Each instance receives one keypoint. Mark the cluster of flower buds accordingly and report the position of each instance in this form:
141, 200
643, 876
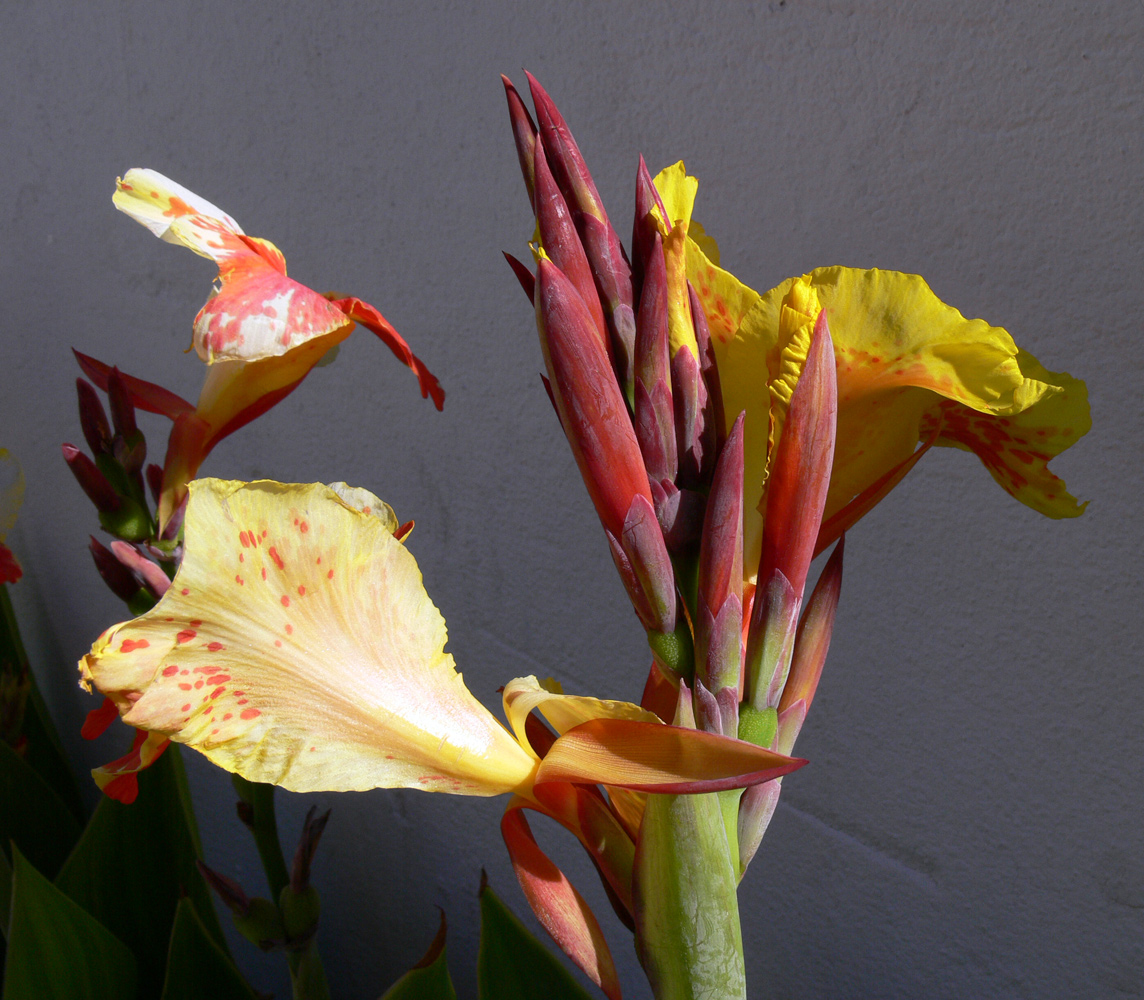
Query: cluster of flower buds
633, 377
139, 564
291, 923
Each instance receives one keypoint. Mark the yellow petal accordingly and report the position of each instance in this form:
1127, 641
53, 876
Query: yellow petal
1016, 449
900, 351
563, 711
677, 192
297, 646
158, 202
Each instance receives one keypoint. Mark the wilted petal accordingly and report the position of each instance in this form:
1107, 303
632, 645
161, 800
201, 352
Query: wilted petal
297, 646
257, 312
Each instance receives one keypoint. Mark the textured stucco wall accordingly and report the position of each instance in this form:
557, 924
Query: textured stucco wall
970, 824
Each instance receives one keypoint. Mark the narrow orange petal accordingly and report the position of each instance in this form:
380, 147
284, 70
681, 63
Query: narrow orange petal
560, 909
654, 757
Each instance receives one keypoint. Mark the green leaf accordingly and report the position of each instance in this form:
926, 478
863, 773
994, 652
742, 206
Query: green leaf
33, 815
429, 978
45, 753
135, 862
5, 894
42, 746
56, 950
196, 966
512, 964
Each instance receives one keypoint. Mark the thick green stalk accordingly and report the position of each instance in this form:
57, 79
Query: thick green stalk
687, 913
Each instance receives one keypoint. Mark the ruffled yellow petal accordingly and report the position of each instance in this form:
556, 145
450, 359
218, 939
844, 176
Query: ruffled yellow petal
1016, 449
297, 646
900, 352
563, 711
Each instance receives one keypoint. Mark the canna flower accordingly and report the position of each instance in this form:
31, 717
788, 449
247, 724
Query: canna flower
260, 332
297, 645
910, 369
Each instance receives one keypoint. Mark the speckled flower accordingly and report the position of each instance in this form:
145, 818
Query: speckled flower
260, 332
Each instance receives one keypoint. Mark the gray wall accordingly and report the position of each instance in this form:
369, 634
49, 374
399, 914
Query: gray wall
970, 822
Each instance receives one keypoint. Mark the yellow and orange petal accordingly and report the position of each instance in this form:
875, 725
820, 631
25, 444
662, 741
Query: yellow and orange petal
910, 369
297, 646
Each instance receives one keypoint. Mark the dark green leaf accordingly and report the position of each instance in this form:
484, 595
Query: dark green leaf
429, 978
57, 951
135, 862
5, 894
513, 965
31, 721
196, 966
33, 815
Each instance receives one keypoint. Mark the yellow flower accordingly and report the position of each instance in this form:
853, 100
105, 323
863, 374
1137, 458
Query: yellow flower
910, 369
297, 646
260, 332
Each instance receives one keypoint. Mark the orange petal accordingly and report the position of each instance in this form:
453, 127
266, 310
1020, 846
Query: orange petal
558, 906
371, 319
653, 757
118, 780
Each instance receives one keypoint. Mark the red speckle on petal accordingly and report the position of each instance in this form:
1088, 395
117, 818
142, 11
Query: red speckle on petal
239, 694
301, 591
319, 560
184, 687
289, 629
312, 749
214, 647
130, 645
263, 572
277, 558
330, 575
242, 701
228, 716
220, 679
195, 622
278, 643
186, 635
186, 707
241, 557
263, 534
250, 713
185, 591
285, 601
239, 581
303, 527
198, 683
214, 732
217, 691
170, 671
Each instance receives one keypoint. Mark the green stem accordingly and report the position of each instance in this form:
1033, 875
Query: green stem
688, 936
308, 975
264, 825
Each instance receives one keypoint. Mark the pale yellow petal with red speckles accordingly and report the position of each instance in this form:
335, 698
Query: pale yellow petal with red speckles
563, 711
157, 202
1017, 449
297, 646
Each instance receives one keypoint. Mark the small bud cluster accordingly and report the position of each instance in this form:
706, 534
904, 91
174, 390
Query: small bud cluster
140, 562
